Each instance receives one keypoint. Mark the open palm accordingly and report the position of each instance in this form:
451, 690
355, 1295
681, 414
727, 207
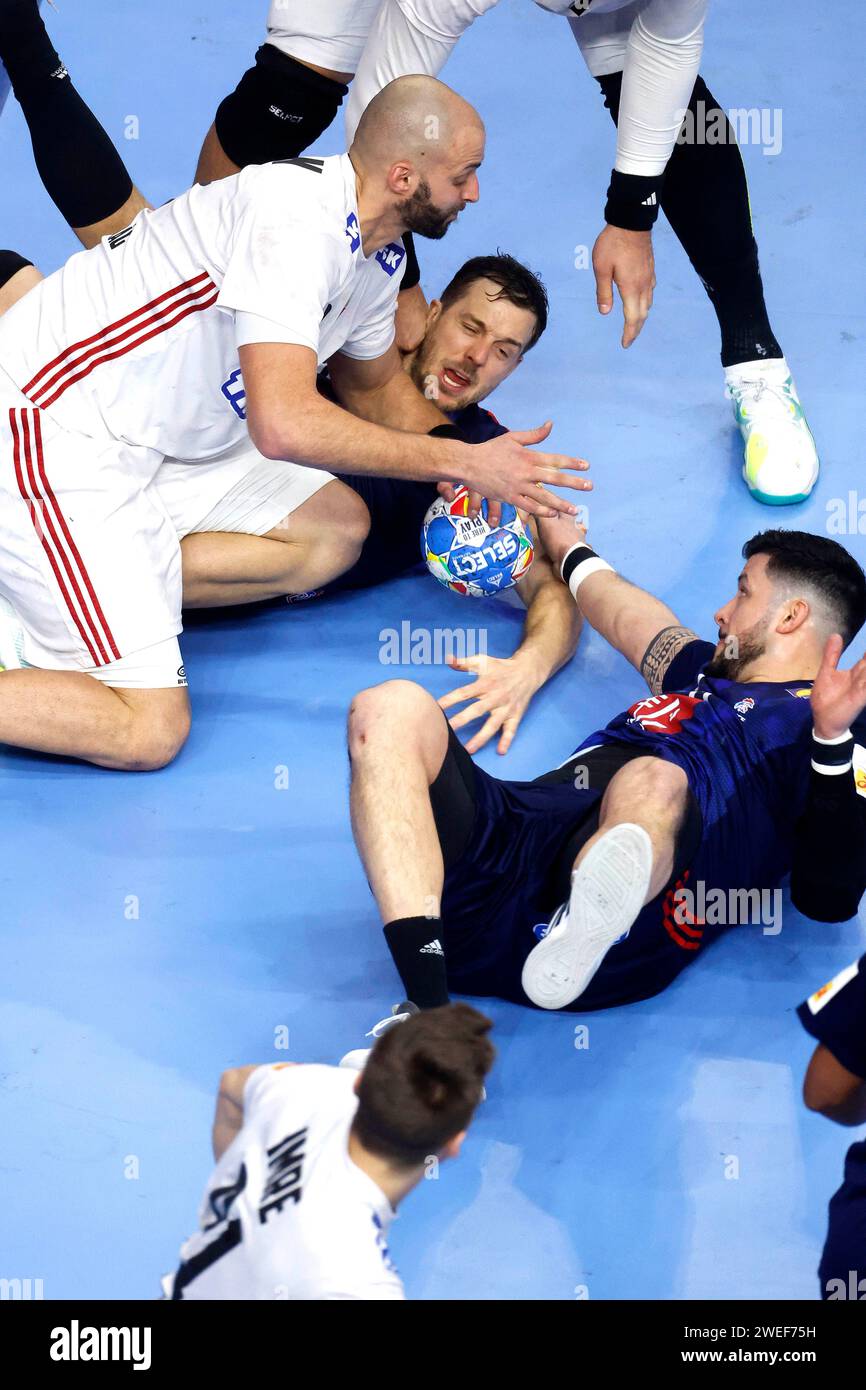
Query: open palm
837, 696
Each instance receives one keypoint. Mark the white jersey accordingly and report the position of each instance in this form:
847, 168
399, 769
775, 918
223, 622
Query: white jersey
138, 338
287, 1214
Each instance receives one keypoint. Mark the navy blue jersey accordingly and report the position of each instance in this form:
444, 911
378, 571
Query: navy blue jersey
836, 1016
745, 748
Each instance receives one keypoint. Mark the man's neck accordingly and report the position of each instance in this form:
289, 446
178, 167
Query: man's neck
779, 673
395, 1183
379, 224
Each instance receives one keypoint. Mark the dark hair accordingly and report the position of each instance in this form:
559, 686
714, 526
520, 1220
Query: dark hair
516, 283
422, 1083
799, 557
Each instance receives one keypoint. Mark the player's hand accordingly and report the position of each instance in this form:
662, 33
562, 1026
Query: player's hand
559, 533
837, 696
410, 322
505, 469
625, 259
500, 694
494, 509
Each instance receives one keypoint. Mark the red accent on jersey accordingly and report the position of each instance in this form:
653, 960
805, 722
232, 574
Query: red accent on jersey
63, 554
664, 714
73, 364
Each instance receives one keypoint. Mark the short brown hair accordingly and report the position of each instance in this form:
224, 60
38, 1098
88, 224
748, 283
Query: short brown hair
517, 283
422, 1082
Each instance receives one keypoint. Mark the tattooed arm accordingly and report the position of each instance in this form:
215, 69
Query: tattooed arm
644, 629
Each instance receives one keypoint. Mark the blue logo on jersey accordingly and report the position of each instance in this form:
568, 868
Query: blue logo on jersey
234, 392
391, 257
353, 232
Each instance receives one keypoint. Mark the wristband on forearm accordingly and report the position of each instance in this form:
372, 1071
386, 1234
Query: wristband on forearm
579, 563
833, 756
633, 201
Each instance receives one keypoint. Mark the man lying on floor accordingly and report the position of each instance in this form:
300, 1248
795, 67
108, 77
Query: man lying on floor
586, 888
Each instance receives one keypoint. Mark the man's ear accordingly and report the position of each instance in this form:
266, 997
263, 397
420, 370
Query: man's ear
434, 312
357, 1084
794, 614
402, 179
453, 1147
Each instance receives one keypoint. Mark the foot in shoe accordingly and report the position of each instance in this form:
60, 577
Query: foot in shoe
608, 890
357, 1059
781, 462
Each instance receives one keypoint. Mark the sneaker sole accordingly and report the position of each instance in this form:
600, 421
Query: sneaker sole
608, 891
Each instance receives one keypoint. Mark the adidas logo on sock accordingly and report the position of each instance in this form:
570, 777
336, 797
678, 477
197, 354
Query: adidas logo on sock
433, 948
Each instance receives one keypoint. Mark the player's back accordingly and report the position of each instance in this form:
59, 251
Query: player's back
131, 338
287, 1214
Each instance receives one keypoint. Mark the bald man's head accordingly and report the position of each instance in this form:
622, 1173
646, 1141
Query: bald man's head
417, 149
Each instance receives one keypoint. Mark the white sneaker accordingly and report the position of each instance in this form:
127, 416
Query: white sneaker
608, 890
781, 461
357, 1059
11, 638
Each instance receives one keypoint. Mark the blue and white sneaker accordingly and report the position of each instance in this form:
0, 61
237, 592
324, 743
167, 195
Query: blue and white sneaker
357, 1059
781, 462
608, 890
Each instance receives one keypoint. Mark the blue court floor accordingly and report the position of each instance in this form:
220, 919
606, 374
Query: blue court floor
159, 928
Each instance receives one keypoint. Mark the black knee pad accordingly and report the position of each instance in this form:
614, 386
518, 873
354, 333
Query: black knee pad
277, 110
10, 264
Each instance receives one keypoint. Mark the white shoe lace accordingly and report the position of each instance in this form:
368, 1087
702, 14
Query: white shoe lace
753, 390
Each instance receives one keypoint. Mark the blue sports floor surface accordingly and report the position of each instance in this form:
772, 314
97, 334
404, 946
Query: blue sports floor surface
158, 928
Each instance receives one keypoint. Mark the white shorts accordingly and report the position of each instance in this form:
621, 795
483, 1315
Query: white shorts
89, 557
329, 33
240, 491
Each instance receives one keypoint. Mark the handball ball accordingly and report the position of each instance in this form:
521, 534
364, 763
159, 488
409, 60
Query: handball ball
467, 555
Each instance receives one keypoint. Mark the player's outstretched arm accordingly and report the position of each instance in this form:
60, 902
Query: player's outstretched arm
645, 630
504, 686
288, 419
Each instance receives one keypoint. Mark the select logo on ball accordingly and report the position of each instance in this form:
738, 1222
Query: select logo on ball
467, 555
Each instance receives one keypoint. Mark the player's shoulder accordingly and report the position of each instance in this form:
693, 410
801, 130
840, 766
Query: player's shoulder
312, 1087
477, 424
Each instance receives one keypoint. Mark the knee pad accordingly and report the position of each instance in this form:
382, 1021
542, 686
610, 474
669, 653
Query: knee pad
277, 110
10, 264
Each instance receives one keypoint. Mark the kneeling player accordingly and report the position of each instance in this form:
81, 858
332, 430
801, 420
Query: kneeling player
584, 889
312, 1162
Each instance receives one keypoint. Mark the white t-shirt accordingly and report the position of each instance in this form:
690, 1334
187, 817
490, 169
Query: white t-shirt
287, 1214
138, 338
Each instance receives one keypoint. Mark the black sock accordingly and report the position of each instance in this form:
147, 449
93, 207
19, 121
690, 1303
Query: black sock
706, 200
82, 172
416, 946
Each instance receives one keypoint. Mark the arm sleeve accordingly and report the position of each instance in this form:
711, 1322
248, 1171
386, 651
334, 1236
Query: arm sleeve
408, 36
658, 50
835, 1015
829, 874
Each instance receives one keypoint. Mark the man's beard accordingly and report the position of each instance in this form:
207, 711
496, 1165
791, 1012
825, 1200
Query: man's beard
423, 216
747, 647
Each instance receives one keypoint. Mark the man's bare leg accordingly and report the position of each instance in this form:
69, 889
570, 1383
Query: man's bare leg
309, 548
651, 793
74, 715
213, 162
18, 285
623, 866
398, 740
